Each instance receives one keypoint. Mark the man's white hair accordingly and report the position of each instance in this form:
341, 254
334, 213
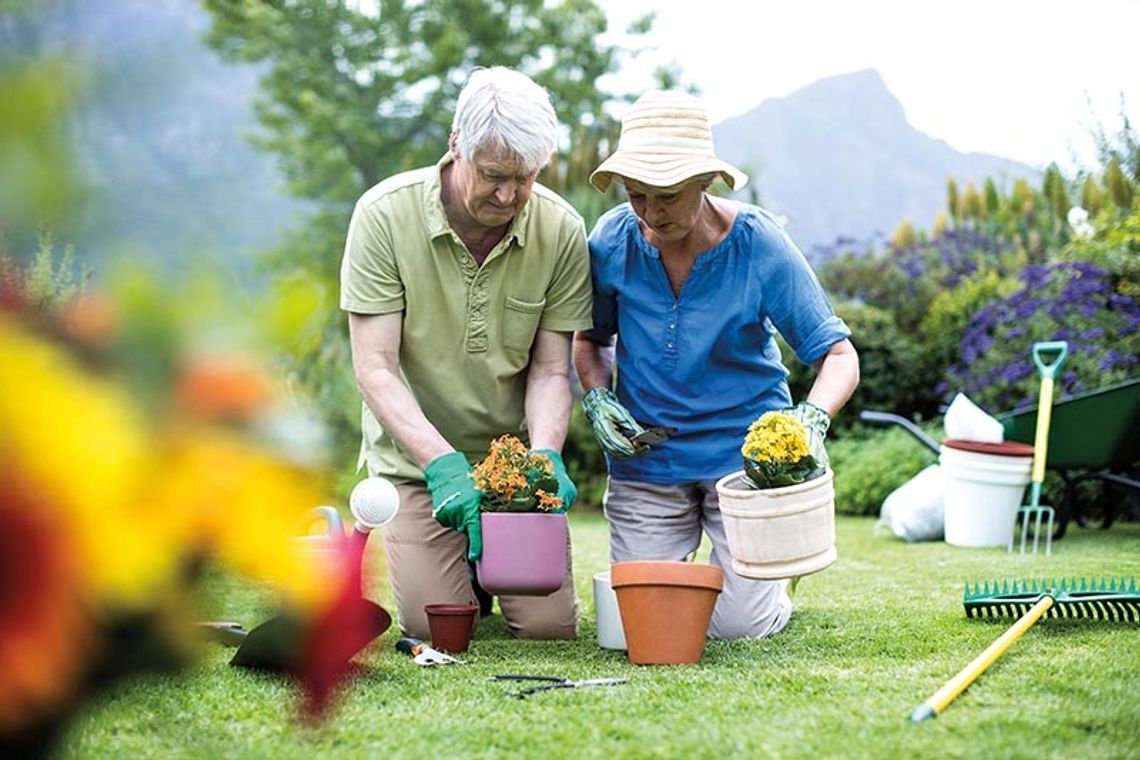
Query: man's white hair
500, 108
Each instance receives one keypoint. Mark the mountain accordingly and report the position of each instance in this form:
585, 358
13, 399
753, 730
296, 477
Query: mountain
838, 159
160, 137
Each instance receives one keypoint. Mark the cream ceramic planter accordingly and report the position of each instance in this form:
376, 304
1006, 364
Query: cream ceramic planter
776, 533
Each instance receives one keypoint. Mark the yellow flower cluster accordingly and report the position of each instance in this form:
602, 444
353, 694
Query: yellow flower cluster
776, 438
509, 472
114, 507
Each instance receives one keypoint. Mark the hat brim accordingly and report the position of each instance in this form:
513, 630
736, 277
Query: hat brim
663, 171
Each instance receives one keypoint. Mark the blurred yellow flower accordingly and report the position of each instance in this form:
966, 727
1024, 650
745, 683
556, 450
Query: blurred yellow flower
75, 437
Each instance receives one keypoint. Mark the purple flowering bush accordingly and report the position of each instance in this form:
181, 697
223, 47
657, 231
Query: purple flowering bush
1074, 301
889, 295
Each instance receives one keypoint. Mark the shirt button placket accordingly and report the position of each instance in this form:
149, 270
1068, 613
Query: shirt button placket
477, 312
669, 357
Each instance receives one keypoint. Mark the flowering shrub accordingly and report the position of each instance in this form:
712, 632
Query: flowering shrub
1074, 301
776, 452
514, 479
131, 458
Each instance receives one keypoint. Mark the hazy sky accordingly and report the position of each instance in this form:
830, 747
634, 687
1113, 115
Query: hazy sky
1009, 77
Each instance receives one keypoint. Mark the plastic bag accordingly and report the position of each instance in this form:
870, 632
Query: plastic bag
915, 510
967, 421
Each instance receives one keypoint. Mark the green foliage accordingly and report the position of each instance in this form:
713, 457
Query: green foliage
37, 180
869, 465
890, 368
1119, 190
1115, 246
48, 282
949, 316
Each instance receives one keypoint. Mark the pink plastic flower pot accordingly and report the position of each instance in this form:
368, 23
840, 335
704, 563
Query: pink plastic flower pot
523, 553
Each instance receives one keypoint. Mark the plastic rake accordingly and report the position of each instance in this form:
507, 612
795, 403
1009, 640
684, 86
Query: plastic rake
1115, 600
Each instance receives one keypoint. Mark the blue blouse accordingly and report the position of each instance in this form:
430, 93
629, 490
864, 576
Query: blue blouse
705, 361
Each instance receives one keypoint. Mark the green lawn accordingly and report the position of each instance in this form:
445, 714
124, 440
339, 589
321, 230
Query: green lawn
872, 636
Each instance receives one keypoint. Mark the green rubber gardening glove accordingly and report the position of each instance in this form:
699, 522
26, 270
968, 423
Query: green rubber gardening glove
566, 488
455, 499
817, 421
613, 424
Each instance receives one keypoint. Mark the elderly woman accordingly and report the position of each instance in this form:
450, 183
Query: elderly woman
694, 287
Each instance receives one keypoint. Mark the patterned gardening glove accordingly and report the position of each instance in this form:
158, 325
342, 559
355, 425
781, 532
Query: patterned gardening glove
455, 499
566, 488
816, 421
613, 424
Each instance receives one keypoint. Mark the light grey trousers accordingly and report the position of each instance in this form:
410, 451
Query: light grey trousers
649, 521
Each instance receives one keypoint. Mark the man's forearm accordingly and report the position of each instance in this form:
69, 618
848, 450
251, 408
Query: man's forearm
397, 410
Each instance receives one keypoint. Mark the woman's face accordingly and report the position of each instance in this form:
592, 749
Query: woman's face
669, 214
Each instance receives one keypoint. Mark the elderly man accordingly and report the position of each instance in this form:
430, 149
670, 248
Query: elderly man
463, 283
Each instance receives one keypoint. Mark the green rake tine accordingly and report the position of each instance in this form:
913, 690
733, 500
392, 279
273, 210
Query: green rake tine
1112, 599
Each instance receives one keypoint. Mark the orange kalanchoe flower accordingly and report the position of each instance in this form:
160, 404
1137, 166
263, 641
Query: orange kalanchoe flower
514, 479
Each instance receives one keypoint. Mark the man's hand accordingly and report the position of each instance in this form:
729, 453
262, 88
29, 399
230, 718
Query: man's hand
566, 488
816, 421
455, 499
613, 424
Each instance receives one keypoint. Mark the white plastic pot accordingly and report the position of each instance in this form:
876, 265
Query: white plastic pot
611, 635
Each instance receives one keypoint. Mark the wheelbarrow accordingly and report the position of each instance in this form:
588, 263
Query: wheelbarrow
1093, 436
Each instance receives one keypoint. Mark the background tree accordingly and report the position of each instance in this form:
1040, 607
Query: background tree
355, 92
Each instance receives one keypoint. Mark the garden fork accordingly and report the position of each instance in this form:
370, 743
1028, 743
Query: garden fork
1034, 511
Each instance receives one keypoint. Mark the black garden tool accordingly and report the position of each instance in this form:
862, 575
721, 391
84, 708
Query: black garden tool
545, 683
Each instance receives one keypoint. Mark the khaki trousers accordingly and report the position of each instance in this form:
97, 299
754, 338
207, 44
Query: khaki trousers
427, 564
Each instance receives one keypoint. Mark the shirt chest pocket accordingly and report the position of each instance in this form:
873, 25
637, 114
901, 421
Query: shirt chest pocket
520, 323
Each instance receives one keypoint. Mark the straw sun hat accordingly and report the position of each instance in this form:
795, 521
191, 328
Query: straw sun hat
665, 140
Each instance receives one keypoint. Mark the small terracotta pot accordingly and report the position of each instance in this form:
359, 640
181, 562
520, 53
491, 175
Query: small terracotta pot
523, 553
451, 625
665, 609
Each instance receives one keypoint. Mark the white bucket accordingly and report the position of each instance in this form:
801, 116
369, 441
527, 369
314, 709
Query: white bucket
611, 635
983, 494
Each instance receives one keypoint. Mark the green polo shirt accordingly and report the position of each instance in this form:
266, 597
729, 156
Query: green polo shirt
468, 329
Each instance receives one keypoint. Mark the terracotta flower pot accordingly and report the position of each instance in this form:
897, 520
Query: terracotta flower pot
778, 533
665, 609
451, 625
523, 553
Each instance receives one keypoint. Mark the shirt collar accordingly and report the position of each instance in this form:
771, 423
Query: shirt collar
436, 219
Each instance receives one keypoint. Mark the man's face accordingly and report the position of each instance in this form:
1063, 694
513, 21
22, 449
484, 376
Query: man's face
494, 186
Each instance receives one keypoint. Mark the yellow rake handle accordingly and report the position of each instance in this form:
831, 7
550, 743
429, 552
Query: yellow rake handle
956, 685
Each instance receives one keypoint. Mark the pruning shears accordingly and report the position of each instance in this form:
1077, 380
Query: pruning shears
553, 682
422, 654
650, 436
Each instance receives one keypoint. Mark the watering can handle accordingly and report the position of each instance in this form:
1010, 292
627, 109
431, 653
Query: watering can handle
1058, 347
331, 518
